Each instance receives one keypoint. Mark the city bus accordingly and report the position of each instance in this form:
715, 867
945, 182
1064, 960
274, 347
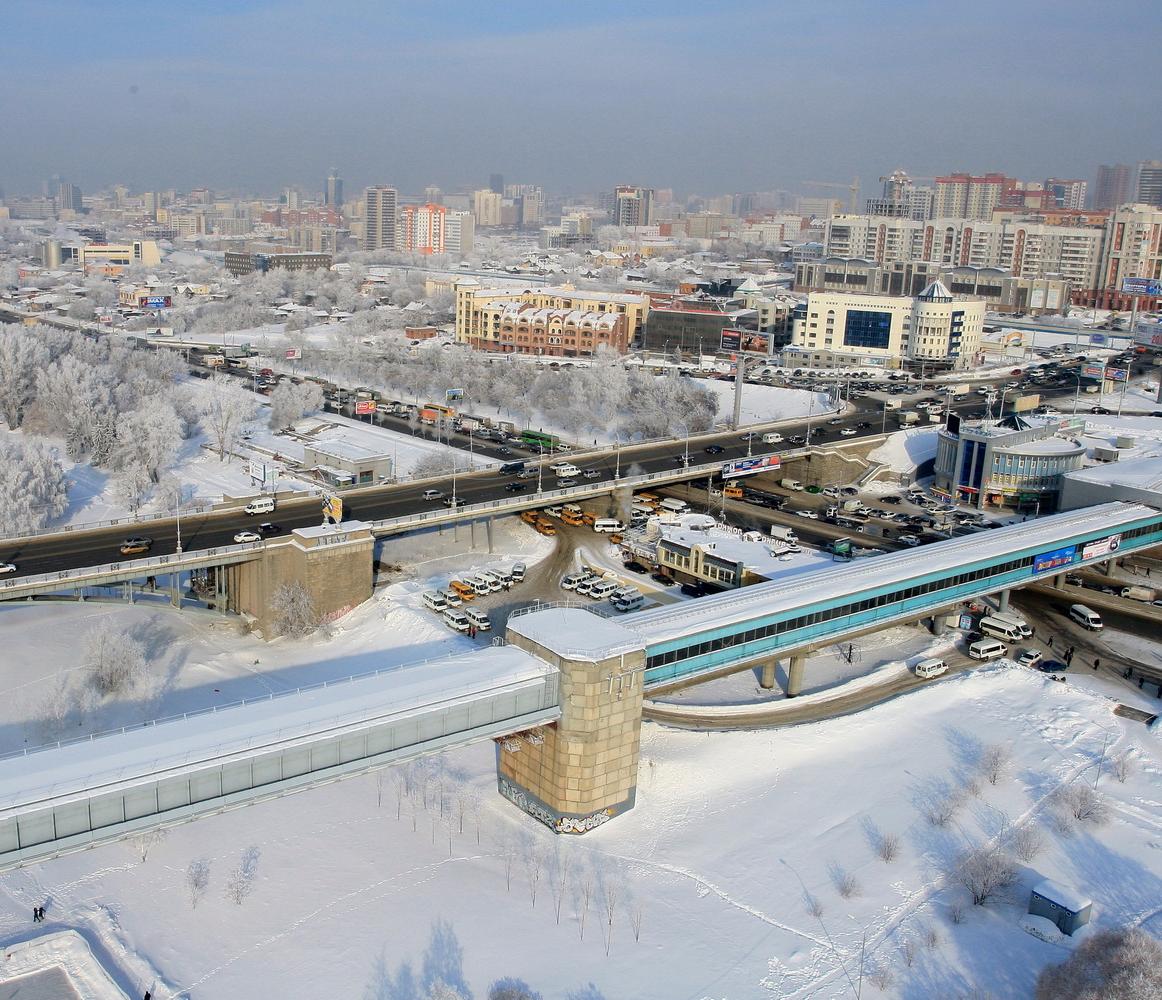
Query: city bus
445, 412
538, 439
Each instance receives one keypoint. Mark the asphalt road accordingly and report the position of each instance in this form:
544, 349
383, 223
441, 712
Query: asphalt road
57, 552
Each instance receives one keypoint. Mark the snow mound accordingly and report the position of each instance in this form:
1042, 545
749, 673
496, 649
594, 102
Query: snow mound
1041, 928
904, 451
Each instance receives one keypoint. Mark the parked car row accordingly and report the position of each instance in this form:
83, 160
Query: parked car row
449, 601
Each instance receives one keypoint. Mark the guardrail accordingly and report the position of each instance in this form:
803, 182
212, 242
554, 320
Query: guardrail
136, 567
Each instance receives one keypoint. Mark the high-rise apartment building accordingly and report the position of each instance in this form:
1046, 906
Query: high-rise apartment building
1113, 188
334, 193
486, 205
1133, 249
902, 199
381, 212
1067, 194
68, 197
633, 206
965, 196
434, 229
1150, 183
528, 200
496, 183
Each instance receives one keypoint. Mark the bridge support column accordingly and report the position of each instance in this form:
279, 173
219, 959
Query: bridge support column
795, 674
1003, 601
767, 677
580, 772
1059, 581
488, 532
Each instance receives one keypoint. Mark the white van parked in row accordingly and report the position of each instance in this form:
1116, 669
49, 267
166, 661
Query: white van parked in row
1000, 629
434, 601
608, 525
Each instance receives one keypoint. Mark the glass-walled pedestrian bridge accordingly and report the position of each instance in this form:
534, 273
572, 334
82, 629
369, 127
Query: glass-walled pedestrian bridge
773, 620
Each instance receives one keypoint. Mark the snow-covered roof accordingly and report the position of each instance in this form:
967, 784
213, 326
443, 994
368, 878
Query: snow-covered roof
936, 291
672, 622
1063, 895
1046, 446
576, 633
1137, 473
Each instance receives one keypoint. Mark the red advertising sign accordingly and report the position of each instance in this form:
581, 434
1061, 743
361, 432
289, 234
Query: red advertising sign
294, 353
364, 406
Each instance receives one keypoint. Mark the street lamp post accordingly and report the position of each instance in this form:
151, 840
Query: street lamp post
540, 465
178, 516
617, 453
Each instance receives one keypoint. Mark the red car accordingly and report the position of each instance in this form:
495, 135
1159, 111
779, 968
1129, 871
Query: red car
270, 371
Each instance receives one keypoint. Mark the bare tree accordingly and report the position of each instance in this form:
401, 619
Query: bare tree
908, 951
240, 882
813, 905
146, 840
880, 975
293, 611
636, 911
512, 989
1027, 842
1122, 765
225, 409
1083, 803
114, 659
535, 862
22, 355
401, 779
610, 894
931, 937
197, 880
559, 877
585, 893
290, 402
983, 871
888, 847
1125, 963
508, 854
474, 805
956, 913
941, 808
995, 761
846, 884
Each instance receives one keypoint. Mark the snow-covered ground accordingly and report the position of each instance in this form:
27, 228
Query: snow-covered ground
748, 868
767, 403
905, 450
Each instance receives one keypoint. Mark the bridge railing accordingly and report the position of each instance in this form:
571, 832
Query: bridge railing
138, 567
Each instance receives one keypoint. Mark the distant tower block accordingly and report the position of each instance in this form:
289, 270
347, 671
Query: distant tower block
577, 774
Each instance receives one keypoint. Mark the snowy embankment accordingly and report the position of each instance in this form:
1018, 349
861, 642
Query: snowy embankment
774, 839
907, 450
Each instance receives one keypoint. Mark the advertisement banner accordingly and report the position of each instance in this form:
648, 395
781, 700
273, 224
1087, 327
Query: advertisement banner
1093, 371
157, 302
1148, 334
750, 466
1014, 338
452, 395
744, 342
1101, 547
1116, 374
1098, 339
333, 508
1141, 286
258, 471
363, 406
294, 353
1047, 562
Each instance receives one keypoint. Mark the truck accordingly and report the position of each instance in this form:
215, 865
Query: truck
429, 416
850, 506
1022, 404
1136, 593
213, 360
791, 484
892, 404
957, 389
784, 534
906, 418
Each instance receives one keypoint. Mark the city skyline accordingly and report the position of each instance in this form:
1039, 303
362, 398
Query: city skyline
207, 98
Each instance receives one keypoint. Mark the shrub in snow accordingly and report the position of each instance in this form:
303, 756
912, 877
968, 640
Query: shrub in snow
115, 661
995, 761
293, 612
1122, 765
983, 871
240, 882
512, 989
1083, 803
1041, 928
197, 880
1125, 963
1027, 842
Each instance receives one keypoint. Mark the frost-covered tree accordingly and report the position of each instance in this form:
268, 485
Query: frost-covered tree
197, 880
132, 486
983, 871
1124, 963
150, 436
115, 660
33, 487
22, 355
290, 402
512, 989
225, 409
293, 611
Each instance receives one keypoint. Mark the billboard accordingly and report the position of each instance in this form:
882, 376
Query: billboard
364, 406
1116, 374
1102, 547
1093, 371
294, 353
750, 466
1141, 286
157, 302
1148, 334
333, 508
744, 342
1047, 562
1098, 339
452, 395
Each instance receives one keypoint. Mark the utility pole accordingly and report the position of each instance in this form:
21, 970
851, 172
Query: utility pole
739, 373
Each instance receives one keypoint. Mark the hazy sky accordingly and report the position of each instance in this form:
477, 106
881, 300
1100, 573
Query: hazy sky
713, 96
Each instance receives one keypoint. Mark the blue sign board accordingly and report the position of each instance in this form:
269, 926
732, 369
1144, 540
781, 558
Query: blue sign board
1047, 562
157, 302
1098, 338
1141, 286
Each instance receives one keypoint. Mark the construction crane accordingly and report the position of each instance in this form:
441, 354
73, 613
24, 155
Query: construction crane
853, 187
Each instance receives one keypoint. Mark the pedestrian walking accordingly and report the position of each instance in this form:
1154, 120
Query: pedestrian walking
1096, 663
36, 914
1049, 643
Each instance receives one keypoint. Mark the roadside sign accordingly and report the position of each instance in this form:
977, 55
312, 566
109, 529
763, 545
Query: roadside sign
750, 466
452, 395
1141, 286
294, 353
333, 508
363, 406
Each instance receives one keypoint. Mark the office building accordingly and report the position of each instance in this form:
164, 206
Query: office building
694, 324
479, 309
1011, 464
935, 329
1113, 186
965, 196
632, 206
380, 220
1132, 249
818, 208
496, 183
111, 259
1002, 291
240, 262
1150, 183
433, 229
333, 197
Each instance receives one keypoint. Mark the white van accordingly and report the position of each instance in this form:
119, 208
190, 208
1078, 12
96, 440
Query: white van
434, 601
931, 668
478, 618
1086, 617
603, 590
674, 506
457, 620
627, 599
772, 437
1016, 621
608, 525
518, 572
1000, 629
566, 470
479, 587
986, 649
585, 585
260, 505
491, 579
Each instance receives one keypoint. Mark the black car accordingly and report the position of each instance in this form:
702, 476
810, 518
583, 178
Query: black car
504, 451
863, 425
665, 581
890, 498
635, 567
267, 528
694, 590
714, 449
515, 487
1052, 666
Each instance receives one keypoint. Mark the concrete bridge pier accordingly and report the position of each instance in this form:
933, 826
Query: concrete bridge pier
1059, 581
1003, 601
795, 674
488, 532
767, 677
